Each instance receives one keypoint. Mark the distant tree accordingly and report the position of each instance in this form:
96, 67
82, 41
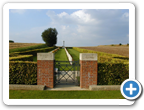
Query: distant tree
120, 44
49, 36
11, 41
127, 44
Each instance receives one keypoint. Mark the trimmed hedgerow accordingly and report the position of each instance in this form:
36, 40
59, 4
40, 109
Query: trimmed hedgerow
22, 58
33, 52
22, 72
54, 51
112, 73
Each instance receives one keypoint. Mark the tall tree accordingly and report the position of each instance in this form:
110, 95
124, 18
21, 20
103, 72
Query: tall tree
49, 36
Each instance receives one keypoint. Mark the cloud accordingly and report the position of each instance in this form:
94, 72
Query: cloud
82, 17
62, 14
78, 17
19, 11
91, 27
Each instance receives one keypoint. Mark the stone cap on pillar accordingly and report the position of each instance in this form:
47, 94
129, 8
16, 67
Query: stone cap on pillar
88, 56
45, 56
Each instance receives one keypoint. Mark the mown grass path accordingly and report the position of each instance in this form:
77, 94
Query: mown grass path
23, 94
60, 55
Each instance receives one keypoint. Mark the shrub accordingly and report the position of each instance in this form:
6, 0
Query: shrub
22, 72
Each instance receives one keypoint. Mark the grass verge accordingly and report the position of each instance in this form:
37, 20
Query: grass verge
23, 94
74, 54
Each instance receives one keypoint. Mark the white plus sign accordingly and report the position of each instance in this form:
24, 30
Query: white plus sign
131, 89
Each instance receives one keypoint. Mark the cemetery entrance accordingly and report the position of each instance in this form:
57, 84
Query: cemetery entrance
67, 73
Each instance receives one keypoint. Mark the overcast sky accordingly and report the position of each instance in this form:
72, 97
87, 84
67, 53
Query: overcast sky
77, 27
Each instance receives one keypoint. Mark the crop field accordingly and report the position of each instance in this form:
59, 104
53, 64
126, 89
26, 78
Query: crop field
19, 45
120, 50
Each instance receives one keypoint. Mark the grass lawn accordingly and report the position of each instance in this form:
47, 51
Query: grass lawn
31, 94
74, 54
60, 55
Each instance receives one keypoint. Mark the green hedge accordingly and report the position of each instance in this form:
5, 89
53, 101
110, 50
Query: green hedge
22, 58
33, 52
22, 72
25, 72
112, 74
14, 54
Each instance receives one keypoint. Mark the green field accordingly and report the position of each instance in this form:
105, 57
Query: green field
23, 94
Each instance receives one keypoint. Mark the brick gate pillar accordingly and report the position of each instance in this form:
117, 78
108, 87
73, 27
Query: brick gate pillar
45, 69
88, 69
